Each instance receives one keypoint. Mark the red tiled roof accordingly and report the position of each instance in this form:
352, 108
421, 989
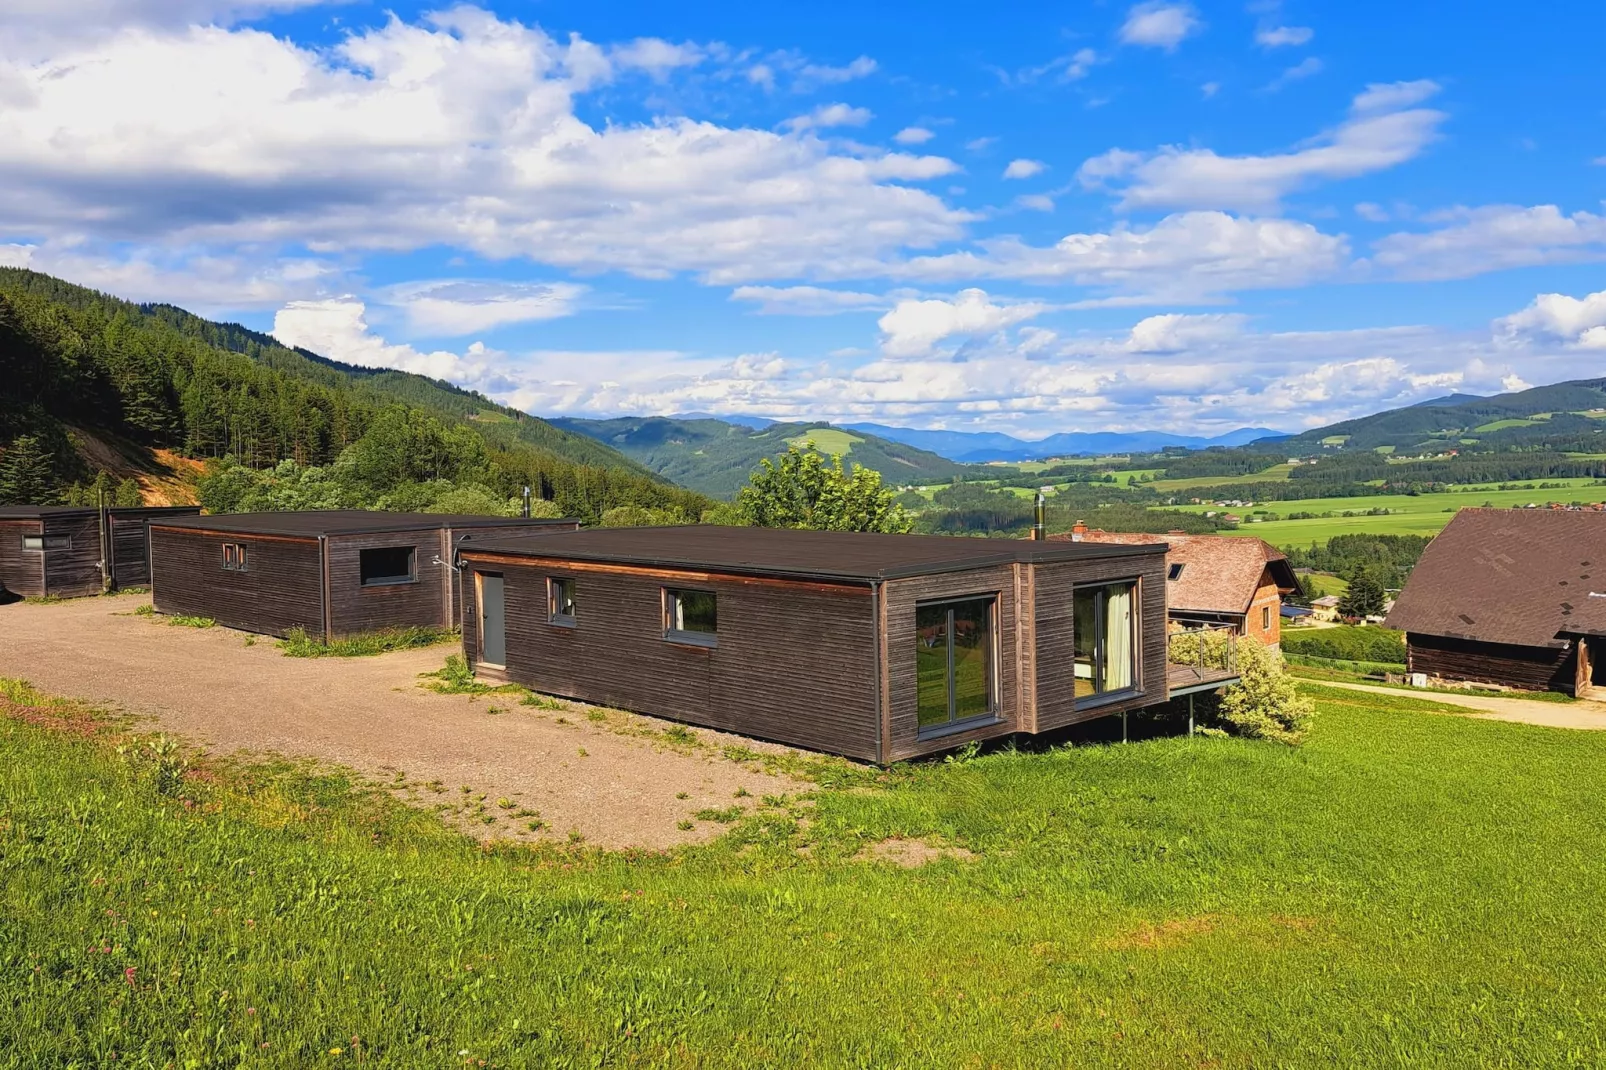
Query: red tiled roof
1220, 573
1520, 576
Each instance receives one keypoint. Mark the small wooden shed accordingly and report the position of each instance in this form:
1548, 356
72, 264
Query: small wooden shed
333, 573
879, 647
68, 551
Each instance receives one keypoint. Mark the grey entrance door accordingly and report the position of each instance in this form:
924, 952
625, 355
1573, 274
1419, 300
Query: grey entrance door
493, 619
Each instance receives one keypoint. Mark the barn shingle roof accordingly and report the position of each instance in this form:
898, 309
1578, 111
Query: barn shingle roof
1522, 576
1219, 574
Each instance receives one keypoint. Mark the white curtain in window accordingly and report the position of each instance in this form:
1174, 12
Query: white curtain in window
1117, 638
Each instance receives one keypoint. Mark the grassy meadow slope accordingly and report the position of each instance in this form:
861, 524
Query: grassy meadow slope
715, 457
1407, 888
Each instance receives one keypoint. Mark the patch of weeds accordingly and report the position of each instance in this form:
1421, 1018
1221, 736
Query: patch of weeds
685, 826
536, 826
584, 753
493, 710
44, 600
575, 836
489, 819
456, 678
161, 758
743, 793
250, 640
682, 794
596, 715
677, 733
526, 812
436, 786
298, 644
183, 620
146, 610
723, 817
542, 702
773, 801
506, 804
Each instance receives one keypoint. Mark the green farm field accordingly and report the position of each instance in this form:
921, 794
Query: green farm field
1406, 888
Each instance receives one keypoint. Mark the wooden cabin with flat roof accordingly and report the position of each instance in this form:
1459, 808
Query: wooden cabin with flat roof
879, 647
332, 573
67, 551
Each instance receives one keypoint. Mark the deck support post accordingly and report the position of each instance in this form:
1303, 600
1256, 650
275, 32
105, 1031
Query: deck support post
1190, 715
1123, 726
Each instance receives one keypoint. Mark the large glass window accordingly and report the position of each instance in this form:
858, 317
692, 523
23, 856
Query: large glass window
385, 565
954, 659
691, 616
1105, 638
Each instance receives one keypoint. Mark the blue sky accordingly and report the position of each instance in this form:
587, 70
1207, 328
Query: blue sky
1026, 218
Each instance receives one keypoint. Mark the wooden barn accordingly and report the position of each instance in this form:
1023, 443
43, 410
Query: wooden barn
878, 647
333, 573
1515, 597
68, 551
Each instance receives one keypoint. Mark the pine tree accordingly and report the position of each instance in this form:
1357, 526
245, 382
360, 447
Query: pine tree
27, 476
1364, 598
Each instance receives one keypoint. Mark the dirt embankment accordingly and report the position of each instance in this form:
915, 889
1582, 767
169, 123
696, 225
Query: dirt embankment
164, 477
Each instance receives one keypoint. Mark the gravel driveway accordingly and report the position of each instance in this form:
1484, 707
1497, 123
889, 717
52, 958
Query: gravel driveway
609, 781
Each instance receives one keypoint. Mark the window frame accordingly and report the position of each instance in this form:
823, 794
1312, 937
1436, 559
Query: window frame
994, 712
1174, 572
670, 595
396, 580
46, 543
1100, 647
1265, 618
561, 620
235, 557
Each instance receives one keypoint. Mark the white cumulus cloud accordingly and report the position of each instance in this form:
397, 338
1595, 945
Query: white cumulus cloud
451, 308
828, 115
913, 135
1283, 36
1024, 168
1553, 318
914, 327
1493, 238
806, 300
1384, 129
1160, 25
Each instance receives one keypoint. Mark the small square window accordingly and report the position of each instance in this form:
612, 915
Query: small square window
47, 542
383, 566
234, 557
560, 600
1175, 572
691, 616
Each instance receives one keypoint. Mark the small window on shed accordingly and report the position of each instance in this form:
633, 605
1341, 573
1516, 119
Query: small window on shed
691, 616
384, 565
560, 600
1175, 572
47, 542
234, 558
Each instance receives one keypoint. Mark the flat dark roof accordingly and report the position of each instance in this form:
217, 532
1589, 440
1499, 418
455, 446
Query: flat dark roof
784, 552
315, 522
36, 512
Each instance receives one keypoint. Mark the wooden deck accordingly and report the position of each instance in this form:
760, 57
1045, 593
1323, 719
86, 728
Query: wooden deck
1186, 679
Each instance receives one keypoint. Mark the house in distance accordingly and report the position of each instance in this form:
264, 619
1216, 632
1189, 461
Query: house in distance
1515, 597
1236, 581
333, 573
63, 551
879, 647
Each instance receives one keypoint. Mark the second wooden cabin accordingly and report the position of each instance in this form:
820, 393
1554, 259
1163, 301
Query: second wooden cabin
331, 573
879, 647
63, 551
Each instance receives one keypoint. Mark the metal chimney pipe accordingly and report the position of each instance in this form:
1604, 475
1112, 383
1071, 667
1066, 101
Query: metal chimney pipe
1038, 515
526, 512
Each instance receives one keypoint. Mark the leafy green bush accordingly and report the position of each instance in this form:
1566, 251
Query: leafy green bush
1348, 644
1266, 702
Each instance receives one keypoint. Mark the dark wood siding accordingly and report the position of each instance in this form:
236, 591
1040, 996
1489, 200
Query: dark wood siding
794, 661
1535, 668
1056, 684
130, 542
280, 589
901, 598
462, 536
22, 572
73, 572
355, 609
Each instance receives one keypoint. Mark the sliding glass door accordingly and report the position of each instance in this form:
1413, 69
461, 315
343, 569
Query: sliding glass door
1105, 639
954, 663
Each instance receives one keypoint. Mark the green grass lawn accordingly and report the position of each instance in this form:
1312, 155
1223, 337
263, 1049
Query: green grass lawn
1405, 889
828, 440
1325, 583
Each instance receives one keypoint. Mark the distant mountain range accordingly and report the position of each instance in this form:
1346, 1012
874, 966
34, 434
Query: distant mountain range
715, 455
1569, 416
974, 447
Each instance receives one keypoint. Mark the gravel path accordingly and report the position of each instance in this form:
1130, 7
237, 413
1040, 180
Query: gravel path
606, 781
1587, 714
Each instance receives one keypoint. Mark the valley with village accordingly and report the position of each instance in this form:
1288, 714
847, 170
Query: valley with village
628, 536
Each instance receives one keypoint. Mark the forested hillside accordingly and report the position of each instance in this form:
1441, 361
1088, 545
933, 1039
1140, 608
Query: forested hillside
715, 456
285, 427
